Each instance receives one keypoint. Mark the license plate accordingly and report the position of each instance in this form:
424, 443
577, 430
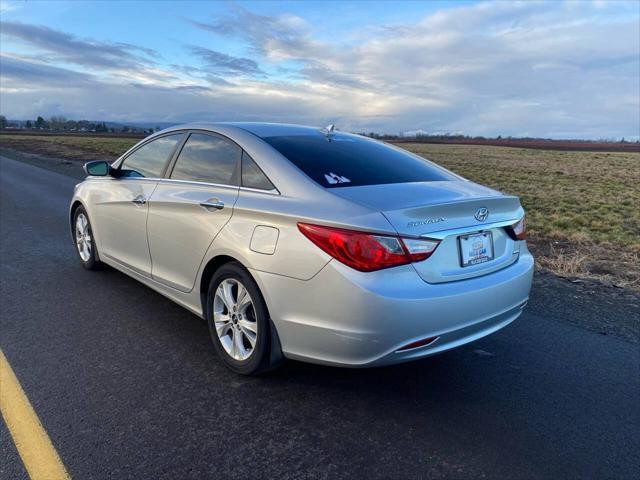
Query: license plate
475, 248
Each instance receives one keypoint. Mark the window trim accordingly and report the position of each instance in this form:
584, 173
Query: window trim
169, 181
172, 164
174, 159
274, 189
167, 162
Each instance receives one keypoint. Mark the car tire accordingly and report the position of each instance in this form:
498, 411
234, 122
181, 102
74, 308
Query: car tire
84, 240
236, 328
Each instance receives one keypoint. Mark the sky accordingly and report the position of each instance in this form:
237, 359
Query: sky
560, 69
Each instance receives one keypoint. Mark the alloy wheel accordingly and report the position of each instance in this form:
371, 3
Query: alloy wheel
83, 237
235, 320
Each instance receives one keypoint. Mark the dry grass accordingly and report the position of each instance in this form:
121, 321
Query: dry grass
618, 266
588, 196
81, 148
583, 211
570, 264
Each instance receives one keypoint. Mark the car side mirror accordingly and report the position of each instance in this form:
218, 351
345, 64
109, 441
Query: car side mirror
97, 168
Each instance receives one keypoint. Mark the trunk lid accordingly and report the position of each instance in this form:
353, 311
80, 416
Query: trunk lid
445, 210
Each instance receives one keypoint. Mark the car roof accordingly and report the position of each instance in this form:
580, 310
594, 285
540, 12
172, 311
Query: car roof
260, 129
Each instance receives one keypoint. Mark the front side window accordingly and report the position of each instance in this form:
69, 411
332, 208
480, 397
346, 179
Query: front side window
252, 176
209, 159
343, 160
150, 159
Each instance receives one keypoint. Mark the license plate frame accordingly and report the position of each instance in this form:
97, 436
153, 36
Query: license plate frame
486, 252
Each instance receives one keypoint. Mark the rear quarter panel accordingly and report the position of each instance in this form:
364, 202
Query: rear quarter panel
294, 256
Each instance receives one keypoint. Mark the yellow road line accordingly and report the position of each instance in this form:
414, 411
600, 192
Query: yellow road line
32, 442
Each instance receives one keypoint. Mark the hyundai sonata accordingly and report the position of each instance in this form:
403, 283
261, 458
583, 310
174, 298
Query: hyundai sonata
306, 243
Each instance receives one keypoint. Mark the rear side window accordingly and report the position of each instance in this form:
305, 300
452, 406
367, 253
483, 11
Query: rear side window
150, 159
343, 160
252, 176
208, 158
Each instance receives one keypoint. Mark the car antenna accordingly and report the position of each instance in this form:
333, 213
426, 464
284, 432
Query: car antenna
328, 130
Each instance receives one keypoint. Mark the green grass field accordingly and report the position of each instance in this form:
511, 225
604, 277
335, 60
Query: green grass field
582, 208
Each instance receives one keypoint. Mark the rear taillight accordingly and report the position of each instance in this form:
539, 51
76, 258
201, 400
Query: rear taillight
368, 251
518, 231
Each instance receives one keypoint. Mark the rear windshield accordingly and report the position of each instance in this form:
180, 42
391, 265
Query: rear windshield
342, 160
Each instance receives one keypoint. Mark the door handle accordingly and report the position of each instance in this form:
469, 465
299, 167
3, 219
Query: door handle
139, 200
213, 203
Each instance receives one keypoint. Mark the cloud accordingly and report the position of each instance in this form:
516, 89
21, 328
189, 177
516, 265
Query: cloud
138, 102
28, 74
193, 89
286, 37
500, 68
223, 64
516, 69
69, 48
276, 37
7, 6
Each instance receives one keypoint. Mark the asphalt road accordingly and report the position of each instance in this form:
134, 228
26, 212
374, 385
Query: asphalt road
127, 384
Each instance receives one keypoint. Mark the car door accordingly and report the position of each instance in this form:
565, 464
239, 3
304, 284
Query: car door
121, 211
190, 207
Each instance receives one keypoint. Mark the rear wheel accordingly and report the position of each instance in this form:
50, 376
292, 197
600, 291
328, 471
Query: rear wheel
238, 320
84, 240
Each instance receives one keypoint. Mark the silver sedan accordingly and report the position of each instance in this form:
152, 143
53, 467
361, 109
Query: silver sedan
307, 243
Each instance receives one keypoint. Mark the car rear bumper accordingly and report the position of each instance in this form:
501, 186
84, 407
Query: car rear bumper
350, 318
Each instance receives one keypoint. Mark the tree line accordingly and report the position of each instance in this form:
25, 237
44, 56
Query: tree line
62, 124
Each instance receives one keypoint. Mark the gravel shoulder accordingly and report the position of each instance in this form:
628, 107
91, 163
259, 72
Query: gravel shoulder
590, 304
71, 168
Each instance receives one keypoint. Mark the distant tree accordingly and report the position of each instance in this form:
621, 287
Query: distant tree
3, 122
28, 124
125, 129
40, 123
57, 123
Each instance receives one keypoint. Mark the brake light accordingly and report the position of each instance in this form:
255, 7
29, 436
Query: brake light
368, 251
518, 231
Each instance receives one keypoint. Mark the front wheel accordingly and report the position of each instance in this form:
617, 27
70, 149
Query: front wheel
84, 240
238, 320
